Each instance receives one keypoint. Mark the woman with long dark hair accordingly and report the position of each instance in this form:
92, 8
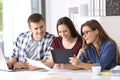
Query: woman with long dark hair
98, 48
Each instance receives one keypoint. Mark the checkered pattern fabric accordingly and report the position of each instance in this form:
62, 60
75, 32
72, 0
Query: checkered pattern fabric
37, 50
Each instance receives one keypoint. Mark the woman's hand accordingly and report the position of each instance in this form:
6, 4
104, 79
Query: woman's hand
74, 61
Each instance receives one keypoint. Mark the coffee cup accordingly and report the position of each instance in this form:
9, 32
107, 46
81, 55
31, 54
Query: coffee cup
96, 70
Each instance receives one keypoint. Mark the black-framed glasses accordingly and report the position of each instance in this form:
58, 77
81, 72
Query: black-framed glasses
86, 33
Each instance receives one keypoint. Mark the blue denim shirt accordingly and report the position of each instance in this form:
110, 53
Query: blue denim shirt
107, 58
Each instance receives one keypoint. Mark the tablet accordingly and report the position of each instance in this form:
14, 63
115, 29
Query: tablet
61, 56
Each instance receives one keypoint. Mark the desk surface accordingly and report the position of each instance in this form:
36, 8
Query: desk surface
38, 75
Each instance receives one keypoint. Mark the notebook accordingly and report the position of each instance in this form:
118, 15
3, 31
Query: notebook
115, 70
61, 56
3, 64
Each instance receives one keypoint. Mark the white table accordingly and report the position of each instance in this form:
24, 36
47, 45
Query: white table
38, 75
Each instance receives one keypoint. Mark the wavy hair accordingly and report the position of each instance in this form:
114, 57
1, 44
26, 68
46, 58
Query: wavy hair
93, 25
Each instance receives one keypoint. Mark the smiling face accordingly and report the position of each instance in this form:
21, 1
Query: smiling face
89, 35
38, 29
64, 32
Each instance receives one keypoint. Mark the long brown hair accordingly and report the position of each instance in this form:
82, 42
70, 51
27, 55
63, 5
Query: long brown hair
94, 24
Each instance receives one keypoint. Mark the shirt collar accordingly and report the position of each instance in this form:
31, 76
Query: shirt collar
101, 45
30, 36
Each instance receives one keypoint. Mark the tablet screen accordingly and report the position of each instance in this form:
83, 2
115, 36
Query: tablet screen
61, 56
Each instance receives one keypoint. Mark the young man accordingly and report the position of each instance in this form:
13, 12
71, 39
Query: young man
34, 44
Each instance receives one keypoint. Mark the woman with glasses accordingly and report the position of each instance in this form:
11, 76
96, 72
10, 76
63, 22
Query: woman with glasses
98, 48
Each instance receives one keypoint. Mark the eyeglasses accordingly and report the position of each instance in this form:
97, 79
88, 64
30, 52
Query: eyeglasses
86, 33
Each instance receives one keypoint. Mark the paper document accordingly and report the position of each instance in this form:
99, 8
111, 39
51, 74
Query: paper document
116, 67
38, 64
115, 70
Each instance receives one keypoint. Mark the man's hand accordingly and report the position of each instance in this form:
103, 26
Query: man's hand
20, 65
32, 68
10, 65
11, 62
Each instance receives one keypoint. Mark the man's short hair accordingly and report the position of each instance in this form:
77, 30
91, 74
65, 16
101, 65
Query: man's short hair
36, 17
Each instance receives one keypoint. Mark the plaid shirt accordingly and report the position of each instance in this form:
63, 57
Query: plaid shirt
25, 46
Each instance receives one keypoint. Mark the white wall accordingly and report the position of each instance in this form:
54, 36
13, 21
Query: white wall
57, 9
112, 25
16, 13
15, 17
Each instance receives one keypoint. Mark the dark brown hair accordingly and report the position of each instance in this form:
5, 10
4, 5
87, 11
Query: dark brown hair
66, 21
36, 17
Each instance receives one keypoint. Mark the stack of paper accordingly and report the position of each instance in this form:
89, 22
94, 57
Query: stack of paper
115, 70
